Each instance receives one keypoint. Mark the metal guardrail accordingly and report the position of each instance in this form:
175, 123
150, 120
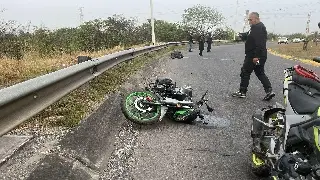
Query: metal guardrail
24, 100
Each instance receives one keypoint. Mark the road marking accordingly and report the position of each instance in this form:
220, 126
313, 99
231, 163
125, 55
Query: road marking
226, 59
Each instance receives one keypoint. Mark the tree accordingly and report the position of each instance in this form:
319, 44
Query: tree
272, 36
166, 31
201, 19
223, 34
94, 35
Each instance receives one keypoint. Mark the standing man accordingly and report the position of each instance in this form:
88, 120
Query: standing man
201, 44
255, 59
190, 42
209, 41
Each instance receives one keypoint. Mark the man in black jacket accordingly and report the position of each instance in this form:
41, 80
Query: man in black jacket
255, 59
209, 42
201, 44
190, 42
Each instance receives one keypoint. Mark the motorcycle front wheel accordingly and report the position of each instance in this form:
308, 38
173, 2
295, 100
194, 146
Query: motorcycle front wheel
135, 110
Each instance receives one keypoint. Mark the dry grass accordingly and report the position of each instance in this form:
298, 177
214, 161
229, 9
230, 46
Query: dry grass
71, 109
294, 51
14, 71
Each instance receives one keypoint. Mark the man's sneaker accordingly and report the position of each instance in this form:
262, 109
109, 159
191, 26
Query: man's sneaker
269, 96
239, 94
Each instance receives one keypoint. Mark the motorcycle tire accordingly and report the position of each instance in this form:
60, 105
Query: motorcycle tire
258, 167
137, 117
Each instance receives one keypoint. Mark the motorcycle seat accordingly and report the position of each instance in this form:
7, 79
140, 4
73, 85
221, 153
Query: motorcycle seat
303, 99
305, 81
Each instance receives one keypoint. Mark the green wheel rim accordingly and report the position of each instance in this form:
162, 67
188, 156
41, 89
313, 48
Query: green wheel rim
129, 102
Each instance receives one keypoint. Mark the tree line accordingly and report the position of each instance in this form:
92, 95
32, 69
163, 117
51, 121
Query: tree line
93, 35
98, 34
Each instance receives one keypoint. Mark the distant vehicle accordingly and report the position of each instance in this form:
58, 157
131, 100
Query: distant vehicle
283, 40
296, 40
316, 40
304, 40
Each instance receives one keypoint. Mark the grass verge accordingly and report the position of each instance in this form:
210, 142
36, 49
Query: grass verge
15, 71
71, 109
294, 51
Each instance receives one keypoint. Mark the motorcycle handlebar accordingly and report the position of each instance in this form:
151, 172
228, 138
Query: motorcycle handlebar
202, 98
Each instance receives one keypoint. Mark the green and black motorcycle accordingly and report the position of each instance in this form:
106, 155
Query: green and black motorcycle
288, 138
161, 98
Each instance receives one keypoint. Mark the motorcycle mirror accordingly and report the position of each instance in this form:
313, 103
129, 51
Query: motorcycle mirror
210, 109
319, 24
204, 94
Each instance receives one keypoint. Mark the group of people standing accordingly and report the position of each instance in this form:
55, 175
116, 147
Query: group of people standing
201, 39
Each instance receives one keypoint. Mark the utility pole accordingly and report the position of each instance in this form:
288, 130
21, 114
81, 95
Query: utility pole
246, 16
308, 22
3, 10
81, 15
235, 21
305, 45
152, 23
274, 27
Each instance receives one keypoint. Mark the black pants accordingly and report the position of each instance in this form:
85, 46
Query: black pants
246, 70
209, 47
200, 52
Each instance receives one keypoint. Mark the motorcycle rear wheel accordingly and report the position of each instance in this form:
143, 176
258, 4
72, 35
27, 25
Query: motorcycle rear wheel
139, 113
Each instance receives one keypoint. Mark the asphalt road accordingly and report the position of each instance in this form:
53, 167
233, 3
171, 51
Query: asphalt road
106, 146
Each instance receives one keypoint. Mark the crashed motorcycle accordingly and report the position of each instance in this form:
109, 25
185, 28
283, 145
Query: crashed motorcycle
161, 98
286, 139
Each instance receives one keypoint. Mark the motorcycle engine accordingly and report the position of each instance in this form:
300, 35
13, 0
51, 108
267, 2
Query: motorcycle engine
183, 93
165, 87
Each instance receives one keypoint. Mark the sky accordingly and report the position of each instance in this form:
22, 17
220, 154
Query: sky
279, 16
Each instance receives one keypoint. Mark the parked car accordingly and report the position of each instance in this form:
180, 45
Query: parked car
296, 40
316, 40
283, 40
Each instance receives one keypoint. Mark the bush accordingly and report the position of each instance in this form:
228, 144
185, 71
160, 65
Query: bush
91, 36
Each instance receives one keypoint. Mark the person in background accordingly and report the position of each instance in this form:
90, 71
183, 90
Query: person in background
201, 44
190, 42
255, 59
209, 41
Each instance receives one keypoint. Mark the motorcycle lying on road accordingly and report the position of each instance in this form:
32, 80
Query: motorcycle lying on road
288, 138
161, 98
